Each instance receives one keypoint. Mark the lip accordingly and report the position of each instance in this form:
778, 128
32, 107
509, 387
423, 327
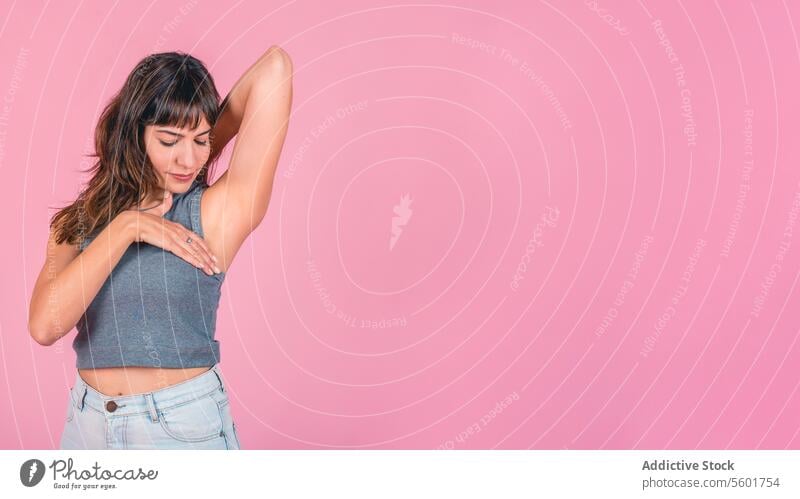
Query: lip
183, 178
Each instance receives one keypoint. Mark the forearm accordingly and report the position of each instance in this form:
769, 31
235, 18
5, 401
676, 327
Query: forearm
61, 299
233, 106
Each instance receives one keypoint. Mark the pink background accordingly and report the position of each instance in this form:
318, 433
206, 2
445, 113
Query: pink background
600, 251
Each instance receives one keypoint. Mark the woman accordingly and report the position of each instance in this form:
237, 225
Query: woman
137, 261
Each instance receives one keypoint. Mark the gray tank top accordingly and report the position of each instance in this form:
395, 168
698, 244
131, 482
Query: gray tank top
155, 309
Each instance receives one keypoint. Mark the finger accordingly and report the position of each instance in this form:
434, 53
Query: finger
196, 255
185, 252
180, 249
209, 256
201, 247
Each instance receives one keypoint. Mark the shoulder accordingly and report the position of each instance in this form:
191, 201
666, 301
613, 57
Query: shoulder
185, 199
185, 207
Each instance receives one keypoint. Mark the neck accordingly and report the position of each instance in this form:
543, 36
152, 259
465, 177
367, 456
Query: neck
153, 200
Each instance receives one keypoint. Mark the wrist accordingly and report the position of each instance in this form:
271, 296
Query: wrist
125, 225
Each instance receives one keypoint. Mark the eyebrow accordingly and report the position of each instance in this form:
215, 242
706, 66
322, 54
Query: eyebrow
180, 134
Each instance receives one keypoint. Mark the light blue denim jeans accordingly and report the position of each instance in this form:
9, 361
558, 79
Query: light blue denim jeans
192, 414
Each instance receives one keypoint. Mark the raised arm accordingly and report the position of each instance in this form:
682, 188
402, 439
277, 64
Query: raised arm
273, 63
257, 109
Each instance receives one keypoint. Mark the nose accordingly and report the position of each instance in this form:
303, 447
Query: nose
187, 156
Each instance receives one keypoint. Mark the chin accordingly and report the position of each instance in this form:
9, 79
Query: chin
178, 186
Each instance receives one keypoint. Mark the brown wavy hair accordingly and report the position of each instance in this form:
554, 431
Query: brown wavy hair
168, 89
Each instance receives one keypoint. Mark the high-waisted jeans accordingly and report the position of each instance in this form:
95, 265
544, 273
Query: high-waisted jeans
192, 414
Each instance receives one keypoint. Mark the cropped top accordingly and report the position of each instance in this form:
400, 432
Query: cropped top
155, 309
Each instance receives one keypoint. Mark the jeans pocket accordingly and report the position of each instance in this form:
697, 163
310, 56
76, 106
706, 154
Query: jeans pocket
194, 421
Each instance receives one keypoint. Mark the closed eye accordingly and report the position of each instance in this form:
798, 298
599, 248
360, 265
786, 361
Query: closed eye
170, 144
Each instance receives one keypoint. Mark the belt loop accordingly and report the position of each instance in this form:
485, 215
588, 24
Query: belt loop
221, 384
83, 399
151, 407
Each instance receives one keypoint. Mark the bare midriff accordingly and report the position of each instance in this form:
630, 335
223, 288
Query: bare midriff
120, 381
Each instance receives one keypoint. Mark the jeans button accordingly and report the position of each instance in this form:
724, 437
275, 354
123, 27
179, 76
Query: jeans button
111, 406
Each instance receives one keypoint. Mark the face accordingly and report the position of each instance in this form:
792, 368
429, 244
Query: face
177, 154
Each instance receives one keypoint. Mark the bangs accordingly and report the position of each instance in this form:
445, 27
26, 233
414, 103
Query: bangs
182, 104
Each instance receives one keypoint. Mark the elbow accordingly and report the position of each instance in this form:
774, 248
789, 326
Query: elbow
42, 334
275, 63
35, 329
282, 61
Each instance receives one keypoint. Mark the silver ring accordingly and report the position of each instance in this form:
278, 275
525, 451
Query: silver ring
189, 240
